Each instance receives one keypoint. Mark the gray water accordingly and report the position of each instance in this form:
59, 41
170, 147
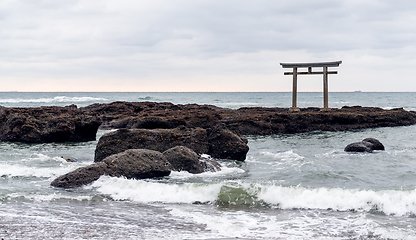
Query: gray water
299, 186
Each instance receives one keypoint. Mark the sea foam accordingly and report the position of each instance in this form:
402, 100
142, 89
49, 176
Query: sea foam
57, 99
227, 193
390, 202
149, 191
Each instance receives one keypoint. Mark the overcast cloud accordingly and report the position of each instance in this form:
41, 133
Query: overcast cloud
188, 45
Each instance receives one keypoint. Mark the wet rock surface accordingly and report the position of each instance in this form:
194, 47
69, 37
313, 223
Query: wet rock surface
47, 124
366, 145
139, 164
156, 139
184, 159
72, 124
219, 142
246, 121
131, 164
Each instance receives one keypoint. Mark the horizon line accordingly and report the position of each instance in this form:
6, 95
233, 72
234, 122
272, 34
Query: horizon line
358, 91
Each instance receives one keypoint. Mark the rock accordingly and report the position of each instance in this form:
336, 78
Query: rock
157, 139
210, 165
248, 120
138, 164
47, 124
225, 144
81, 176
367, 145
184, 159
69, 159
377, 145
359, 147
220, 143
132, 164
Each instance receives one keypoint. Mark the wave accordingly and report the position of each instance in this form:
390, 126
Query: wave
285, 156
20, 170
57, 99
237, 193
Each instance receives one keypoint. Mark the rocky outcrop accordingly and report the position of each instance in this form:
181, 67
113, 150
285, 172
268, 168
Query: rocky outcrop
246, 121
157, 139
132, 164
139, 164
219, 142
47, 124
366, 145
225, 144
184, 159
66, 124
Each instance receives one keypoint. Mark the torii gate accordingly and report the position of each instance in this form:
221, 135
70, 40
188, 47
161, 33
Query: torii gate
295, 74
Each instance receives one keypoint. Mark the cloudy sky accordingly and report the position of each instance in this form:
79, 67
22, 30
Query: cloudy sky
205, 45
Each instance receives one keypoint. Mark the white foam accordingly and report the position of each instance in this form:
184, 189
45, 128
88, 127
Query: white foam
396, 202
225, 171
227, 224
56, 99
390, 202
150, 191
285, 156
49, 197
253, 225
18, 170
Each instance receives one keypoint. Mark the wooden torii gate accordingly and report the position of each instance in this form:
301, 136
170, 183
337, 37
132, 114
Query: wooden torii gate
295, 74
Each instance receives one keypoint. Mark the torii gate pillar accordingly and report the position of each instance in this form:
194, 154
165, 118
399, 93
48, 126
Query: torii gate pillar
295, 74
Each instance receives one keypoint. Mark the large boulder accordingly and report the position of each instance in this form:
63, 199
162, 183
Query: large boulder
132, 164
138, 164
47, 124
225, 144
81, 176
184, 159
157, 139
366, 145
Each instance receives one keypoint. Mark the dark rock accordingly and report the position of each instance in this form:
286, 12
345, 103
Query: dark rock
70, 159
158, 140
377, 145
210, 165
138, 164
132, 164
47, 124
225, 144
246, 121
367, 145
184, 159
81, 176
359, 147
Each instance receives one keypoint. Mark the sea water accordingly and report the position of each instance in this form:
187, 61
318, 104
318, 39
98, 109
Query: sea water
291, 186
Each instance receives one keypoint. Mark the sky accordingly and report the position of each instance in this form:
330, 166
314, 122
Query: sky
205, 45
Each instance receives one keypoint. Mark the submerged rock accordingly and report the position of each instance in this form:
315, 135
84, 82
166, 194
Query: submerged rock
366, 145
377, 145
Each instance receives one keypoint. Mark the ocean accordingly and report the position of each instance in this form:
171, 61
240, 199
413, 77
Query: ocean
291, 186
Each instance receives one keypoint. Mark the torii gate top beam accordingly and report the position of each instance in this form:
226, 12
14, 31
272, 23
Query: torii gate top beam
305, 65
